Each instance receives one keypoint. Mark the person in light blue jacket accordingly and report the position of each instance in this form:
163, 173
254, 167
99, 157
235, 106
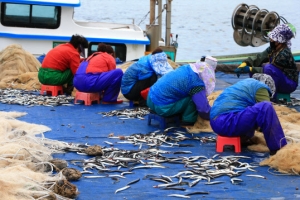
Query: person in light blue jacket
184, 92
244, 107
143, 74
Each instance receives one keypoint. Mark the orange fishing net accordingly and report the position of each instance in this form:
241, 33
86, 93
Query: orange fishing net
286, 160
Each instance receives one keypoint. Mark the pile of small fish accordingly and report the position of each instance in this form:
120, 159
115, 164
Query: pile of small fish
294, 102
158, 138
138, 112
284, 102
116, 163
31, 98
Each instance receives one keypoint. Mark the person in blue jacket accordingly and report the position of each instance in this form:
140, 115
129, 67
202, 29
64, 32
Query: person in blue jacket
143, 74
184, 91
277, 60
244, 107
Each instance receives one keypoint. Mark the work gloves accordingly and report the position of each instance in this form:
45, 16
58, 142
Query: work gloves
243, 68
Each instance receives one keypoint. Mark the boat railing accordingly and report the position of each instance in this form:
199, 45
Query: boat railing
104, 25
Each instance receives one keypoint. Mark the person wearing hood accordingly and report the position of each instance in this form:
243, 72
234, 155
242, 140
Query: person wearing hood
244, 107
280, 63
98, 73
143, 74
184, 91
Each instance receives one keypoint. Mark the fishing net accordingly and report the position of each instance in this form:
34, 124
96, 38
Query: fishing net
25, 168
286, 160
94, 151
71, 174
18, 69
65, 188
203, 125
58, 164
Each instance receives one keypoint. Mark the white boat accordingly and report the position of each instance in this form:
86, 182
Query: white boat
39, 25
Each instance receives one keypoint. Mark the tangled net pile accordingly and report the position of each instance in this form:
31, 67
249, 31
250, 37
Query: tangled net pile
18, 69
287, 159
26, 171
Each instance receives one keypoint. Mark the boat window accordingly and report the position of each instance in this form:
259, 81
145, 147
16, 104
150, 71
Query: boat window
30, 16
120, 49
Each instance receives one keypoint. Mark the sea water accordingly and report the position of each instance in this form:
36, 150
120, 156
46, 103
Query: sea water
203, 27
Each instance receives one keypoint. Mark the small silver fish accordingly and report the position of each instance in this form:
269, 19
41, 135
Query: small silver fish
213, 183
257, 176
179, 195
121, 189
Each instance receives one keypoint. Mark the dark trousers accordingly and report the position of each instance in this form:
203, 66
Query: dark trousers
135, 92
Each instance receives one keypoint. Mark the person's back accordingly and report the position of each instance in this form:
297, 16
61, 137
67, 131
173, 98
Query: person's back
102, 62
61, 63
245, 106
137, 71
237, 97
174, 86
62, 57
98, 73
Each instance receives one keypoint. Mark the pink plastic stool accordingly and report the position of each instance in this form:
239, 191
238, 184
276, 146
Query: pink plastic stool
222, 141
88, 98
54, 90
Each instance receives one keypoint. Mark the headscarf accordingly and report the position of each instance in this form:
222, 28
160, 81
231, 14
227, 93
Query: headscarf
206, 71
282, 34
266, 79
159, 63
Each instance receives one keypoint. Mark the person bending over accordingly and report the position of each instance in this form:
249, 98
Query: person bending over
143, 74
184, 91
61, 63
99, 74
244, 107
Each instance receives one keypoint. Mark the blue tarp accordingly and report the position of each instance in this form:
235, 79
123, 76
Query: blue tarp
84, 124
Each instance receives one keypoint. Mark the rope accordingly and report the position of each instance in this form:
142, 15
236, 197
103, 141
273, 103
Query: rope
281, 174
143, 19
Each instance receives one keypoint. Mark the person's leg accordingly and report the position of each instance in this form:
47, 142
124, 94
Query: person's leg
135, 92
235, 124
190, 113
270, 125
282, 83
110, 84
55, 77
185, 106
244, 123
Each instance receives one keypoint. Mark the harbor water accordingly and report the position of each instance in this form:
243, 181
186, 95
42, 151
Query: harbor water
203, 27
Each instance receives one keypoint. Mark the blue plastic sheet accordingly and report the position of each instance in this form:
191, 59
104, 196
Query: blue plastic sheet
84, 124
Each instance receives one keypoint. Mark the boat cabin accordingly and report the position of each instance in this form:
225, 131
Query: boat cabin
39, 25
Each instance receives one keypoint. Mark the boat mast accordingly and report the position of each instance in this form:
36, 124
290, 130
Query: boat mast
168, 22
152, 11
159, 18
152, 29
